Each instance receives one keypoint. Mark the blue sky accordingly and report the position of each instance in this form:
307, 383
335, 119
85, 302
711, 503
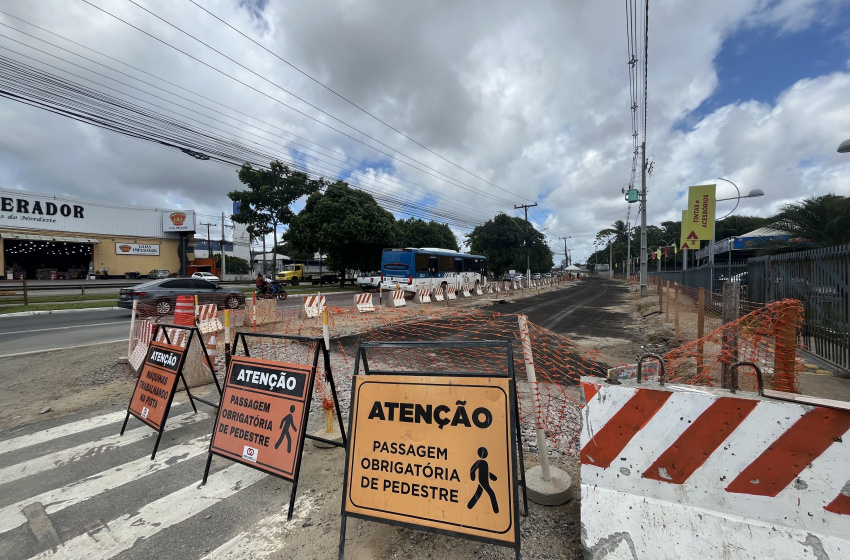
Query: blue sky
758, 63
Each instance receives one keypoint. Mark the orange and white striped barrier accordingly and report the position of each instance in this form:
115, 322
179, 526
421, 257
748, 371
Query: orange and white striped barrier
490, 288
478, 290
206, 317
497, 286
363, 302
144, 333
313, 305
398, 298
423, 295
184, 311
178, 337
451, 292
438, 294
210, 346
465, 290
685, 472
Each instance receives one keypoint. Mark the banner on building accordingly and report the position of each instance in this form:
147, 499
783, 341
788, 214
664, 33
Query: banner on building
136, 249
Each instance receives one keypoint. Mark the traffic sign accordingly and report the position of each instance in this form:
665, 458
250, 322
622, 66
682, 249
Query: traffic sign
698, 220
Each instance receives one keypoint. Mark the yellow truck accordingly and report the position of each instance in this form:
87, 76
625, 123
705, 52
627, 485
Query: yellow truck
297, 272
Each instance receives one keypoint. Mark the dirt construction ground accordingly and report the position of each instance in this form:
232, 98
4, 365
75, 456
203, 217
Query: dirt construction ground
93, 379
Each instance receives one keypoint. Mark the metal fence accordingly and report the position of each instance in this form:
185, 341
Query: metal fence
820, 279
701, 277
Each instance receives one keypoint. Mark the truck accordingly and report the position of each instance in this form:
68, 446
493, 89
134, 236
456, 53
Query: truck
296, 272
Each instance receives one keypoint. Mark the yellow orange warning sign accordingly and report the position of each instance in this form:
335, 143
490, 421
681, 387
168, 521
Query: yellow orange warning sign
698, 220
436, 452
684, 242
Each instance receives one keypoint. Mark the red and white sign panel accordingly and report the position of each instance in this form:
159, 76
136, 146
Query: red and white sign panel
263, 414
156, 383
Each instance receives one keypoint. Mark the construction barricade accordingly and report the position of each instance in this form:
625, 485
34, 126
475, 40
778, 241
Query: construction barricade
671, 472
184, 311
465, 290
313, 305
363, 302
398, 298
438, 294
423, 295
451, 292
144, 335
478, 290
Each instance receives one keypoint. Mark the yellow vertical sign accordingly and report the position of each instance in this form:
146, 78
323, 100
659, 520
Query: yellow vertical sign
435, 452
699, 225
684, 242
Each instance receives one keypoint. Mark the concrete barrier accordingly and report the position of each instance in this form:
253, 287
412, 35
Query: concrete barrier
363, 302
313, 305
206, 317
451, 292
684, 472
398, 298
438, 295
423, 296
465, 290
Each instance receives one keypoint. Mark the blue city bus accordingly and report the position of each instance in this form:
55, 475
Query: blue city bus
412, 268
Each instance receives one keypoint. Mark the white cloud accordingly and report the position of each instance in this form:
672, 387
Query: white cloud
531, 97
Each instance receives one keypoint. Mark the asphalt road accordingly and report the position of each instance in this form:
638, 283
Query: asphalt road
37, 333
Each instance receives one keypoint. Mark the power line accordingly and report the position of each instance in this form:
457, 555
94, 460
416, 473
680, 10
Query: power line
345, 98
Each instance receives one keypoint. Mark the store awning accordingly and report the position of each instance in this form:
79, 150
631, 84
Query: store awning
59, 238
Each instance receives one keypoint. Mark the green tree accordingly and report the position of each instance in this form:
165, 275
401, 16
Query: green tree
235, 265
821, 220
345, 224
414, 232
265, 204
502, 241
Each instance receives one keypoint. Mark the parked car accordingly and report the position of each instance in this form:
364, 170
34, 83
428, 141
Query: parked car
161, 295
536, 276
209, 276
547, 275
369, 280
158, 273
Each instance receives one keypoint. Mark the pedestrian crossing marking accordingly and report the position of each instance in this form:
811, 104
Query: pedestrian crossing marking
85, 450
122, 533
56, 500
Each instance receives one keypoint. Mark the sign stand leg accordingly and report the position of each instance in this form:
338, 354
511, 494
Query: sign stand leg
197, 332
207, 470
186, 386
333, 392
342, 538
292, 500
156, 445
124, 426
521, 477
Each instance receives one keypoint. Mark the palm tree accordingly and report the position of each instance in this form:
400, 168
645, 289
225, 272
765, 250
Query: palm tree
823, 220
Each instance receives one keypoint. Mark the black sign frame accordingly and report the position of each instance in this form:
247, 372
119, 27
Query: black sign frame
193, 331
320, 348
513, 424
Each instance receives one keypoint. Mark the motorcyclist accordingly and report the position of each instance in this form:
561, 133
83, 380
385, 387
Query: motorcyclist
262, 284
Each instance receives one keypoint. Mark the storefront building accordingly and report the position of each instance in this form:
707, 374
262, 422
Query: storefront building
54, 238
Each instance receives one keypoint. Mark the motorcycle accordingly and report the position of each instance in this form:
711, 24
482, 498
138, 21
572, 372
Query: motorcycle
274, 291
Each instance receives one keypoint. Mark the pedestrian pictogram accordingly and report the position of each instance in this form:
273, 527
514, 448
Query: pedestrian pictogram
264, 411
434, 451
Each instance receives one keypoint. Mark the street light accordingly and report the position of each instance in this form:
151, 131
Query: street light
752, 194
844, 147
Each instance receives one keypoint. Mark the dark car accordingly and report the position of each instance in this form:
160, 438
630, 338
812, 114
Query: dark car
161, 295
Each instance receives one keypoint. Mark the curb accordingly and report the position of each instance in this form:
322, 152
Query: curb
52, 311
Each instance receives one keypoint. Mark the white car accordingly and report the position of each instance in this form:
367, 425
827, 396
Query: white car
208, 276
369, 281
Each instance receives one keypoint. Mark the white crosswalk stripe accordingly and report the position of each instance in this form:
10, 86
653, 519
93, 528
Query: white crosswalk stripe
56, 500
122, 533
64, 430
102, 497
265, 538
86, 450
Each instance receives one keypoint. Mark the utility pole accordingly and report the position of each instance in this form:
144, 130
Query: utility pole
643, 287
223, 265
527, 256
628, 243
209, 247
611, 257
566, 254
